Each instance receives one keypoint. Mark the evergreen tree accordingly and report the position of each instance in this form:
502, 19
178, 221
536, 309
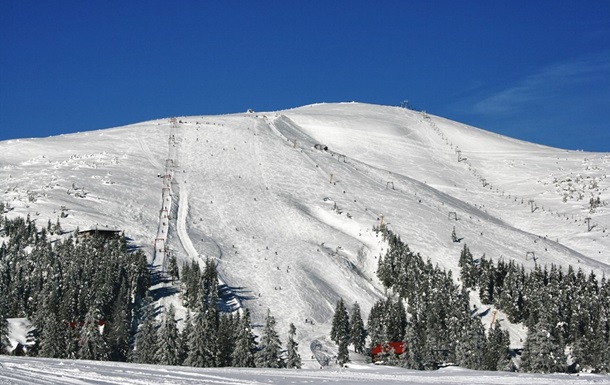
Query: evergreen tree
412, 356
542, 353
119, 328
468, 269
487, 281
4, 342
92, 343
245, 344
184, 337
270, 347
169, 340
471, 346
357, 331
340, 324
192, 285
72, 338
376, 323
227, 329
340, 332
53, 338
604, 326
203, 352
145, 351
293, 359
172, 268
343, 353
396, 320
454, 237
497, 350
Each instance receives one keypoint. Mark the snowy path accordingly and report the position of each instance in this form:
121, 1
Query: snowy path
185, 240
147, 151
39, 371
231, 300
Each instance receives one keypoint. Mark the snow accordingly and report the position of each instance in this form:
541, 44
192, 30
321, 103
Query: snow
34, 371
253, 193
18, 329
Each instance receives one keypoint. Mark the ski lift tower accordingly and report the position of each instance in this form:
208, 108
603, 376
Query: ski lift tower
589, 226
533, 205
530, 255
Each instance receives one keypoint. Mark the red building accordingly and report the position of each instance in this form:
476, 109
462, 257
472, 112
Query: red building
388, 347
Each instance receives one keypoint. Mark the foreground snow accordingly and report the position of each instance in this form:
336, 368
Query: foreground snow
15, 370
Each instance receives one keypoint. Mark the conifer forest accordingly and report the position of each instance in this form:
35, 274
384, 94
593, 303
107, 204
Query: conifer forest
88, 298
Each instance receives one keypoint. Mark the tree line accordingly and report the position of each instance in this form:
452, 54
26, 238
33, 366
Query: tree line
70, 288
209, 337
88, 298
567, 314
436, 325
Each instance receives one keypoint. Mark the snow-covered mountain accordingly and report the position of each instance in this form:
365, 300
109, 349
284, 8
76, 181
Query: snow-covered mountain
285, 201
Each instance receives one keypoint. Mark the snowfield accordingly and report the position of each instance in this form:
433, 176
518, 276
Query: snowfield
19, 370
286, 201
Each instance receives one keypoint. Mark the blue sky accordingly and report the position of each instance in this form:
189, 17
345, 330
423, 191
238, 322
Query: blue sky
534, 70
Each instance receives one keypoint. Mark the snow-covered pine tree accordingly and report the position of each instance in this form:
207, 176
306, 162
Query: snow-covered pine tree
203, 343
172, 268
396, 320
57, 228
227, 329
184, 337
270, 347
376, 323
497, 349
169, 340
412, 357
357, 331
192, 285
4, 342
340, 332
119, 327
92, 345
343, 353
245, 344
52, 329
293, 358
340, 325
146, 337
511, 298
542, 353
468, 270
209, 285
604, 320
470, 348
486, 281
53, 338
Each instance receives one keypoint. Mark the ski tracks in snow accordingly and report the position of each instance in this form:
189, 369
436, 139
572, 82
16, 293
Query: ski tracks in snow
147, 151
232, 301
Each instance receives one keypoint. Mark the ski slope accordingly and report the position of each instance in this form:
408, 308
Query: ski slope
290, 224
35, 371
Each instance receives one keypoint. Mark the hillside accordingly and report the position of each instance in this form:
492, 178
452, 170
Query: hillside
285, 201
